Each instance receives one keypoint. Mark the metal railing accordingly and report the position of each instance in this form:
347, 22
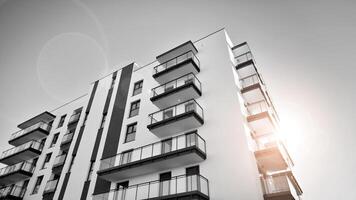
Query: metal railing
275, 184
155, 149
13, 190
260, 107
51, 186
67, 138
74, 118
176, 185
183, 80
25, 166
59, 160
41, 125
175, 110
176, 60
244, 57
32, 144
251, 80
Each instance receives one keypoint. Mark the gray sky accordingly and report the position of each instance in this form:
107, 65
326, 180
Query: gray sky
51, 50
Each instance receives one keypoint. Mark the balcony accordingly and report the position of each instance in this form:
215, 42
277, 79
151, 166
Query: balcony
23, 152
164, 155
272, 156
12, 192
74, 118
243, 55
178, 118
66, 140
179, 90
178, 187
51, 186
34, 132
280, 186
183, 64
15, 173
43, 117
58, 163
262, 118
252, 88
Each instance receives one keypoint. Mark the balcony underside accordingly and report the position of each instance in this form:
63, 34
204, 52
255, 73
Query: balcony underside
26, 154
10, 197
270, 159
279, 196
176, 95
154, 164
36, 134
14, 177
246, 70
253, 93
57, 169
194, 195
180, 123
48, 195
261, 123
65, 145
180, 69
43, 117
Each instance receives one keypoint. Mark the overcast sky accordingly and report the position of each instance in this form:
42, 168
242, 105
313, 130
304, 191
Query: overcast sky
51, 50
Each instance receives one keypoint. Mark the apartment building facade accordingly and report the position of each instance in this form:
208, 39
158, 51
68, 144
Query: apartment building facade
198, 123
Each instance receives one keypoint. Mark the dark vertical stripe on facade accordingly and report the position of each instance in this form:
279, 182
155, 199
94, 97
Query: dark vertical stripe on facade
64, 186
92, 97
85, 190
117, 116
96, 145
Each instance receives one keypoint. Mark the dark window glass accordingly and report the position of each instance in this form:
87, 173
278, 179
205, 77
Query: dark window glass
37, 185
168, 113
61, 121
134, 109
126, 157
164, 183
46, 161
166, 146
54, 139
138, 88
190, 106
131, 132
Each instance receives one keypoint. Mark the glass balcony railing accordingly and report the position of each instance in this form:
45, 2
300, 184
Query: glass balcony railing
174, 61
179, 109
260, 107
244, 57
251, 80
32, 144
155, 149
181, 81
51, 186
178, 185
40, 125
275, 184
67, 138
74, 118
59, 160
25, 166
13, 190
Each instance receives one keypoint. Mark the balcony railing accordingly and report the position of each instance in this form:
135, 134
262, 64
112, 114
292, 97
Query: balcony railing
67, 138
181, 81
244, 57
155, 149
74, 118
13, 191
59, 160
32, 144
177, 186
25, 166
51, 186
40, 125
179, 109
260, 107
275, 184
174, 61
251, 80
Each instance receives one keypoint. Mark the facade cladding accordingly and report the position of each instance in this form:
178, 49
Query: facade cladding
198, 123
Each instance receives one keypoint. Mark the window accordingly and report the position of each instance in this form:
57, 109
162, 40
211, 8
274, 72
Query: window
168, 87
130, 132
126, 157
193, 182
166, 146
61, 121
103, 121
137, 88
121, 188
37, 185
90, 170
46, 161
168, 113
54, 140
135, 107
164, 183
190, 106
191, 139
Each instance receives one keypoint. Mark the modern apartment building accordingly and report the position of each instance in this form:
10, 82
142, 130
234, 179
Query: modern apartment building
198, 123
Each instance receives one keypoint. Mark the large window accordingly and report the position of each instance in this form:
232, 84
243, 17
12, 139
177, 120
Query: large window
126, 157
46, 161
37, 185
61, 121
166, 146
134, 109
164, 183
131, 132
54, 140
137, 88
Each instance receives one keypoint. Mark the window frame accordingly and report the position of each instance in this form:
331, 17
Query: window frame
37, 185
137, 89
45, 161
61, 121
53, 143
136, 104
133, 131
